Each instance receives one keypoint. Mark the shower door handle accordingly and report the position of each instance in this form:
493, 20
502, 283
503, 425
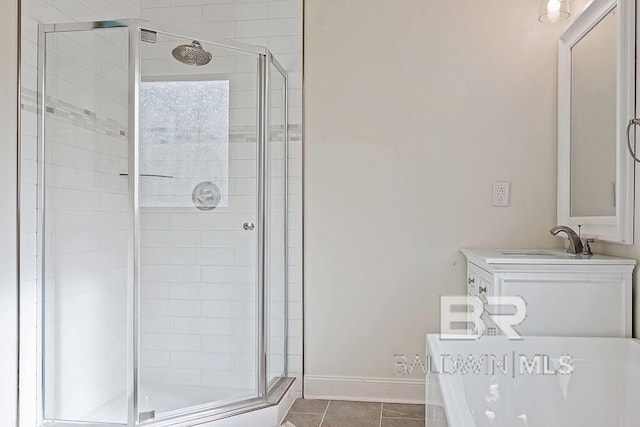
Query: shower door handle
248, 226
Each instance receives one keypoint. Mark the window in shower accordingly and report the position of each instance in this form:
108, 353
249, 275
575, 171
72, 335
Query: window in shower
184, 134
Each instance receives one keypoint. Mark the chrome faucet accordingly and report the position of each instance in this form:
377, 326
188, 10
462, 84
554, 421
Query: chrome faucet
575, 242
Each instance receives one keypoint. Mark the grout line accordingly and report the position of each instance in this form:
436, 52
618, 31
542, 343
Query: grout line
325, 414
381, 409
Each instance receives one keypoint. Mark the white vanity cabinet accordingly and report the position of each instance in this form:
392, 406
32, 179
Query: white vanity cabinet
564, 295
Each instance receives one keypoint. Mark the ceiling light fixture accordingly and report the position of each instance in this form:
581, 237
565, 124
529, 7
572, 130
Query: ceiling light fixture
552, 11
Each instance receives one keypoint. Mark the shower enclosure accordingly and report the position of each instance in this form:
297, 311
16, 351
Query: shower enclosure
162, 223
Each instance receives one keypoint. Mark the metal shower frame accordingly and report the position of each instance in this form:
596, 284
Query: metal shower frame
268, 393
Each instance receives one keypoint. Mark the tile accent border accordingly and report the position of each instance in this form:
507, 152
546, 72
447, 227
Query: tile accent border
77, 116
87, 119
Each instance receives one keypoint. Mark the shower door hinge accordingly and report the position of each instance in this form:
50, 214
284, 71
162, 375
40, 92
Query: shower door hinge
148, 36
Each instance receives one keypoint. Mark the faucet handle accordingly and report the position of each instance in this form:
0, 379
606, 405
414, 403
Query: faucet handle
586, 247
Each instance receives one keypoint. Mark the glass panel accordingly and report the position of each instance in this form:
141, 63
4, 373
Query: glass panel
593, 120
277, 163
198, 145
86, 226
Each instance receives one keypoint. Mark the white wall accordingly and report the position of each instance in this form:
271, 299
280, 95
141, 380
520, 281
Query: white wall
413, 109
8, 211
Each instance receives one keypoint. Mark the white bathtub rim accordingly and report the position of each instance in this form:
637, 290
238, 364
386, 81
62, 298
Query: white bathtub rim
458, 412
451, 386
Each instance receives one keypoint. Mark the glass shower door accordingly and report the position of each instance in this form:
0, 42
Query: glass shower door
198, 221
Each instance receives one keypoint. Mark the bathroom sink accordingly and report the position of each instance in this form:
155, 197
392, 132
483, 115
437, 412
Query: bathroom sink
537, 254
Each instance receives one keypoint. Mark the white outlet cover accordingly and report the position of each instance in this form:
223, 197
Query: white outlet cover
501, 194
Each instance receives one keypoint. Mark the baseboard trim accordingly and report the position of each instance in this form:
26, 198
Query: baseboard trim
364, 389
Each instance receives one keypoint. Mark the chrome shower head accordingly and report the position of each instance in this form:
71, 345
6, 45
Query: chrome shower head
192, 54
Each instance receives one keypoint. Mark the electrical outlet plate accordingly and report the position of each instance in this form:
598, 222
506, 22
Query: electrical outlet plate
501, 194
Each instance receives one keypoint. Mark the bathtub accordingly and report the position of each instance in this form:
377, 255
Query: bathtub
536, 382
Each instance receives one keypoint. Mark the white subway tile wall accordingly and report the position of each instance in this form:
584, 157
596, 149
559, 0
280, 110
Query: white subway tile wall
196, 288
225, 279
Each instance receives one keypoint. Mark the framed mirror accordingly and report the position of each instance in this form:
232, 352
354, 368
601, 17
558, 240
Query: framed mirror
596, 99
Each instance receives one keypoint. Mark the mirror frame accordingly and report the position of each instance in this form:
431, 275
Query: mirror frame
618, 228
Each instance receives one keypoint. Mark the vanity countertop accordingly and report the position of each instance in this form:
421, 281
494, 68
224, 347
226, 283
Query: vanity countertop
540, 256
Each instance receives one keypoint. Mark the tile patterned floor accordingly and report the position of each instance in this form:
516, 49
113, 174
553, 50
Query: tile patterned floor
335, 413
